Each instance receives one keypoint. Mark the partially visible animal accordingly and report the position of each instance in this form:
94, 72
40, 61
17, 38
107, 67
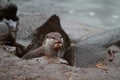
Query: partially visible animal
9, 22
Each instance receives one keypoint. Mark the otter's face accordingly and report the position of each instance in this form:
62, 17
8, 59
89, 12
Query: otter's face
54, 40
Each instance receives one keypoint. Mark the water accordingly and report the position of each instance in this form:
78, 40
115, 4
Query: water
97, 13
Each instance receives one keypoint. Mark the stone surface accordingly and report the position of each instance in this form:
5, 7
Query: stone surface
14, 68
93, 49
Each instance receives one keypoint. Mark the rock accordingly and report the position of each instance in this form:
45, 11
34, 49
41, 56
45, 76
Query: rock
93, 49
44, 60
14, 68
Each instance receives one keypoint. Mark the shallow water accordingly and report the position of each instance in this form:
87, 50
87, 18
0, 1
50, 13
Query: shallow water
100, 13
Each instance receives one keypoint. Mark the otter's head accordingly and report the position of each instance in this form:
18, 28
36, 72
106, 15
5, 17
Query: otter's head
53, 40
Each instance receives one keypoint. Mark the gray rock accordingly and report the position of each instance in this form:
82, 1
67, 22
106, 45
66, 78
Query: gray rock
92, 49
14, 68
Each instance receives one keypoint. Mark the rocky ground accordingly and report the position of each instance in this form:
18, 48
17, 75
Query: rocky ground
14, 68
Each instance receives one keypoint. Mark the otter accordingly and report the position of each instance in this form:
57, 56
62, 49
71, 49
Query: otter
51, 47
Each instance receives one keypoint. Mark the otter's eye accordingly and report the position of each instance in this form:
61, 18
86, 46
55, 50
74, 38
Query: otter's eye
47, 36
